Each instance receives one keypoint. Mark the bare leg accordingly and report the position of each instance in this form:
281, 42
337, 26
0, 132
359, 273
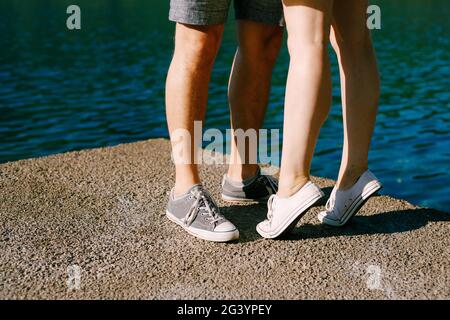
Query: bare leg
360, 86
187, 89
308, 90
249, 86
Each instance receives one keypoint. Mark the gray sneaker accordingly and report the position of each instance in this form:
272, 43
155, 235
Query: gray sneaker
197, 213
258, 188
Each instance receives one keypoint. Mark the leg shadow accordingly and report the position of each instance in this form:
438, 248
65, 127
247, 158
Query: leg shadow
245, 218
383, 223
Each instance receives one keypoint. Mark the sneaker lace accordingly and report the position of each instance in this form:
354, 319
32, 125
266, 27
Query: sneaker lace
270, 207
203, 204
331, 202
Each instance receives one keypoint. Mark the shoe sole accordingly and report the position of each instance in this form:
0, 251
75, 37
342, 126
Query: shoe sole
203, 234
356, 205
243, 200
294, 217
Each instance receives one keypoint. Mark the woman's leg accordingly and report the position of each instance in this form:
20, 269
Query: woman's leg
308, 99
308, 89
359, 83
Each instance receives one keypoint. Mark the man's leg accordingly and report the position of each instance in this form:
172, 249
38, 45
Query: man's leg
249, 87
187, 90
190, 205
198, 36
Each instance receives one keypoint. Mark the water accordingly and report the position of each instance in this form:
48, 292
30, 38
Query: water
104, 85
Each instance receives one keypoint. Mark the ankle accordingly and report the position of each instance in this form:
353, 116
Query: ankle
290, 185
185, 178
181, 188
242, 172
350, 176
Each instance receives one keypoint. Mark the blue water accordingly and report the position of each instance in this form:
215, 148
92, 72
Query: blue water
66, 90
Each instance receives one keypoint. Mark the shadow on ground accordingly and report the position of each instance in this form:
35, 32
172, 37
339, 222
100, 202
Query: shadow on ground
246, 218
383, 223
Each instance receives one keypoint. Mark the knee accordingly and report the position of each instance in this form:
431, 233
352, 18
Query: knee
353, 44
198, 46
307, 49
263, 49
355, 51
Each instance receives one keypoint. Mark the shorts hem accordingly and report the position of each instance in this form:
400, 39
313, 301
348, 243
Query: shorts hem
197, 18
270, 16
279, 22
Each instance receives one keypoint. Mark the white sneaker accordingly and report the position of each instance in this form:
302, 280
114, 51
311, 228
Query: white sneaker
285, 212
344, 204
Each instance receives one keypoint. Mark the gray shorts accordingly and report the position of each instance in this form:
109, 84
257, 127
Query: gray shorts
209, 12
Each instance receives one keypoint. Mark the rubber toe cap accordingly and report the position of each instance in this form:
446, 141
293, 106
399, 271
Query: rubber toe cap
226, 226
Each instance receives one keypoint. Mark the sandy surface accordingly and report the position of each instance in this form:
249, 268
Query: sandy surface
102, 210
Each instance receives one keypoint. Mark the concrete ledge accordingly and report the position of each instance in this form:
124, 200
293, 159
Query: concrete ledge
103, 210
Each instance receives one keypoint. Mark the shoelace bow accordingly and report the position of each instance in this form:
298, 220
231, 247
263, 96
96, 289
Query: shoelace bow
331, 202
270, 207
204, 204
